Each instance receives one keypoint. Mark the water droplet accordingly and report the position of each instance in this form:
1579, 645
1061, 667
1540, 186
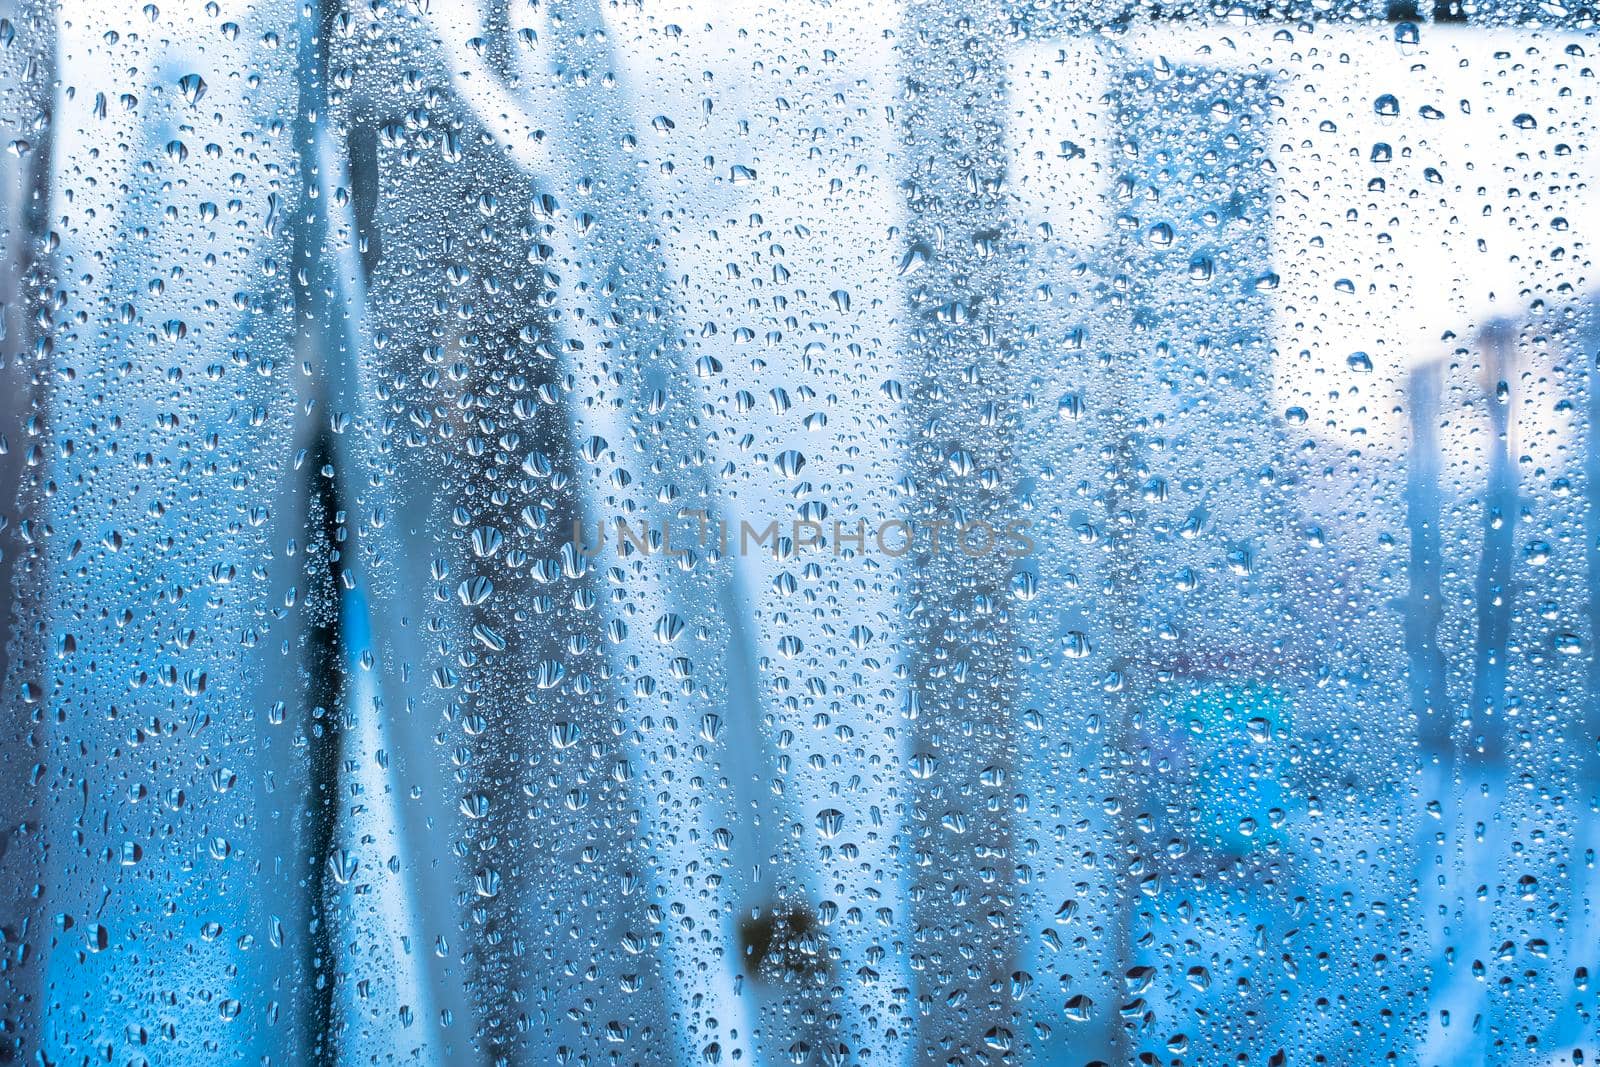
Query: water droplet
830, 822
193, 88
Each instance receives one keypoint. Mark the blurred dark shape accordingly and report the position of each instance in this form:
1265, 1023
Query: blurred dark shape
784, 944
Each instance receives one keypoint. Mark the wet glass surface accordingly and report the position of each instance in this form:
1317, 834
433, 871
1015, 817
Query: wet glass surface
709, 533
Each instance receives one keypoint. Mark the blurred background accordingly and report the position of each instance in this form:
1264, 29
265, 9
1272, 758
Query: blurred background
324, 323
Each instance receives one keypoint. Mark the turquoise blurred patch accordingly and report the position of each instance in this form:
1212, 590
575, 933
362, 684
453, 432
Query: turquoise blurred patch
1235, 737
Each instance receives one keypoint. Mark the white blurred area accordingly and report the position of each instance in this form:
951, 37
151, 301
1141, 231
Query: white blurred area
1476, 217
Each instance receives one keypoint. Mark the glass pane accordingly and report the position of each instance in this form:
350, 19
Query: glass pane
903, 534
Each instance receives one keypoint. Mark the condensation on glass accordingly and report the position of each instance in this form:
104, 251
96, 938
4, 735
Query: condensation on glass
904, 534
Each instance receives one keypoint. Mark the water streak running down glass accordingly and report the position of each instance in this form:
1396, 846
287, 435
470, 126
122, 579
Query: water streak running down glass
672, 532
